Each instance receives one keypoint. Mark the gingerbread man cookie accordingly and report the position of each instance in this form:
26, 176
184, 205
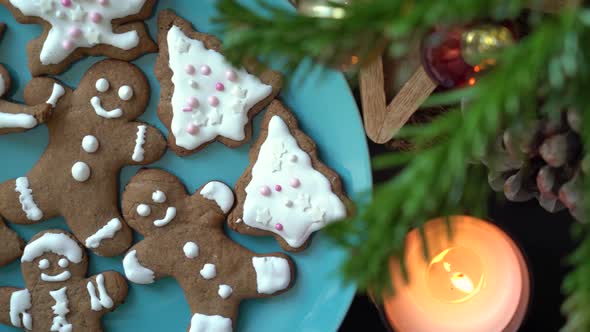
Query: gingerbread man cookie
57, 296
11, 246
184, 238
287, 191
203, 97
92, 135
16, 117
73, 29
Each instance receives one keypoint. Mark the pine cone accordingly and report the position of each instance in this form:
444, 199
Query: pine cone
542, 160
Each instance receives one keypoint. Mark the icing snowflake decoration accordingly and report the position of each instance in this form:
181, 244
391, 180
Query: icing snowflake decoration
301, 200
211, 98
80, 23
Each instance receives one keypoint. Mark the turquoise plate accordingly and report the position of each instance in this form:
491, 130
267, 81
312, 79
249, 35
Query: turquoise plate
327, 112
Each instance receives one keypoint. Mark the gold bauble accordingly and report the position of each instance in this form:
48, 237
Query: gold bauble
479, 44
323, 8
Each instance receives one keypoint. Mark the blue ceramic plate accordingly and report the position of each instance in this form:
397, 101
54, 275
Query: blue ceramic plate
327, 112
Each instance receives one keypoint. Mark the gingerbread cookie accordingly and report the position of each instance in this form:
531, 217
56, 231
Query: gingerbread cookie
57, 296
16, 117
286, 191
203, 97
184, 238
11, 246
92, 135
73, 29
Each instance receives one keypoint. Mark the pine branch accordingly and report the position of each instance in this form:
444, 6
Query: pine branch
276, 30
440, 180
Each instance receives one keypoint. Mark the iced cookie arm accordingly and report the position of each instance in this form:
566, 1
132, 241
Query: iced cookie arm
143, 143
47, 91
106, 291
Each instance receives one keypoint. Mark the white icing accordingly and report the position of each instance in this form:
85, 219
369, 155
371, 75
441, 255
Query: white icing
125, 92
208, 271
64, 262
44, 264
191, 250
273, 274
170, 214
2, 85
107, 232
103, 300
139, 142
60, 311
62, 19
205, 323
90, 144
220, 193
57, 243
21, 120
135, 272
26, 200
102, 85
56, 94
144, 210
65, 275
225, 291
81, 171
158, 196
100, 111
230, 116
20, 303
301, 209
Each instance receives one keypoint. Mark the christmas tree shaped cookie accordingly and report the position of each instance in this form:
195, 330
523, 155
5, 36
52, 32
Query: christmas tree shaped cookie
203, 97
287, 191
77, 28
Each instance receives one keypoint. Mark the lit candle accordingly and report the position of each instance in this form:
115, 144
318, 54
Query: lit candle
476, 280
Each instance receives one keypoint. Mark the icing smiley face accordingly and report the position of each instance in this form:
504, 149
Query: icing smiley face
53, 258
113, 95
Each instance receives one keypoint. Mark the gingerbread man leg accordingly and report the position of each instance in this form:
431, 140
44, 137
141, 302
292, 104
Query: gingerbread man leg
14, 304
99, 225
11, 246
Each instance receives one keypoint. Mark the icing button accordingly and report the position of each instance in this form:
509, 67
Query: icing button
75, 32
193, 84
278, 187
265, 191
66, 3
293, 158
219, 86
279, 227
192, 102
103, 2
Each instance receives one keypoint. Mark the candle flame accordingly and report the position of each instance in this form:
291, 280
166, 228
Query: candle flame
462, 283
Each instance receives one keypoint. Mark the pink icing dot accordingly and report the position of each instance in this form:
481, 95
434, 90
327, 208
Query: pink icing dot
95, 17
264, 191
67, 44
192, 129
295, 183
219, 86
103, 2
278, 187
279, 227
66, 3
187, 108
205, 70
75, 32
213, 101
231, 75
192, 102
190, 69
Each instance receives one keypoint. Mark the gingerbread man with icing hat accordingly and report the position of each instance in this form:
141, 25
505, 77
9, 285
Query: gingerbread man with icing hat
57, 296
92, 135
184, 238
